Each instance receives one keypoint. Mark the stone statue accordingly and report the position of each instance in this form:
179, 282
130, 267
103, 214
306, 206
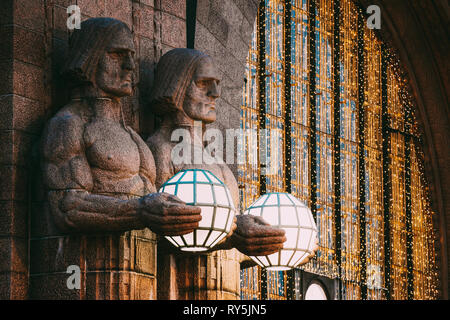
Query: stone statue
186, 89
98, 173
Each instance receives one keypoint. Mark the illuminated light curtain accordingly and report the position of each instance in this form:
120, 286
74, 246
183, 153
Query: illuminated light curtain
425, 273
377, 163
374, 168
250, 284
274, 122
322, 143
271, 76
299, 101
248, 173
275, 108
397, 177
349, 142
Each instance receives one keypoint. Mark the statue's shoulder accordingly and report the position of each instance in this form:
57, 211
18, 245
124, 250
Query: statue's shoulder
64, 131
73, 115
159, 143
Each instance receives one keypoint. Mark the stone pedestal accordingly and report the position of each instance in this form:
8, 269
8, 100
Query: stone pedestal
113, 266
209, 276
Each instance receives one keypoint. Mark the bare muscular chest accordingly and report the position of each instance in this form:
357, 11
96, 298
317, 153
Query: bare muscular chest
110, 147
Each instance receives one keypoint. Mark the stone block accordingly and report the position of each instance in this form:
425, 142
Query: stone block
14, 286
238, 48
120, 9
50, 255
40, 223
101, 252
173, 31
17, 148
229, 11
6, 114
6, 45
13, 185
143, 22
6, 77
249, 9
150, 3
93, 8
20, 113
246, 30
13, 219
123, 285
60, 16
203, 8
232, 91
52, 287
139, 286
14, 253
28, 81
6, 12
64, 3
204, 40
30, 14
165, 48
145, 258
175, 7
218, 26
28, 46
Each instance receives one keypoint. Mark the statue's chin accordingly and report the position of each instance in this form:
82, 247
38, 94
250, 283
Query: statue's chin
119, 93
209, 119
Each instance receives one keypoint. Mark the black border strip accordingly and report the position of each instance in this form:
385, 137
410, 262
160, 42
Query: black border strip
361, 158
337, 140
287, 94
261, 21
191, 17
312, 106
408, 205
387, 185
290, 283
262, 93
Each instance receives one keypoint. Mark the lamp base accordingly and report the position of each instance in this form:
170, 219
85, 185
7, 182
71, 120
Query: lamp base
280, 268
194, 249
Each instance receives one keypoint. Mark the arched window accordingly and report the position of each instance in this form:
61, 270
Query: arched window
315, 291
349, 147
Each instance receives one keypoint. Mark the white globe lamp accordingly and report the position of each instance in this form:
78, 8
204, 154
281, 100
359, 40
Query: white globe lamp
203, 189
285, 211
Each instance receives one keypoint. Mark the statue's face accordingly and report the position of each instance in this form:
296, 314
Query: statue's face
201, 95
116, 66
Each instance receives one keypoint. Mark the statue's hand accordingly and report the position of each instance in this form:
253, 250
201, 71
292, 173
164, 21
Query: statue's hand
167, 215
255, 237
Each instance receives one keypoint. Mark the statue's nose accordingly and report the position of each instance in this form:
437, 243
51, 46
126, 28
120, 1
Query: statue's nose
214, 90
129, 62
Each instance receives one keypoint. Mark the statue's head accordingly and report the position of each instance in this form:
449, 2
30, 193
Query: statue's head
186, 81
101, 56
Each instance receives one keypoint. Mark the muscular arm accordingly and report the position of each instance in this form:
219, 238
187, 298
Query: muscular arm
69, 183
71, 194
252, 235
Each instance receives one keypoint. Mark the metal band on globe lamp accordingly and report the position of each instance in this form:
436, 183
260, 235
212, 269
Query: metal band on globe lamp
285, 211
203, 189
